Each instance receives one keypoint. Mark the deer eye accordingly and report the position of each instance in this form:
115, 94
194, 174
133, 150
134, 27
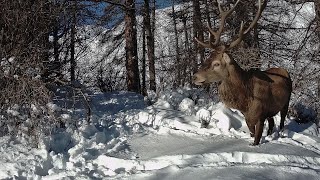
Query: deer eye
216, 64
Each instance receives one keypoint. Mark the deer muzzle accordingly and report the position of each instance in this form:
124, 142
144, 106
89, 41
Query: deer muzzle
198, 79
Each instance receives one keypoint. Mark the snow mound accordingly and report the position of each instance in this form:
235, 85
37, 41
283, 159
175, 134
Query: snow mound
129, 139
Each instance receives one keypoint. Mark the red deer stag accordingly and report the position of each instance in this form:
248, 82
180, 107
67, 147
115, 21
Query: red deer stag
259, 95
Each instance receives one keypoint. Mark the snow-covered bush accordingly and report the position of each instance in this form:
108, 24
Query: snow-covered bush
23, 109
24, 55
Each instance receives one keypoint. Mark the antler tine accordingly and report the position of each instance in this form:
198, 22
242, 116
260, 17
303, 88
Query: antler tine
209, 44
239, 39
253, 23
256, 18
226, 13
203, 44
217, 34
223, 15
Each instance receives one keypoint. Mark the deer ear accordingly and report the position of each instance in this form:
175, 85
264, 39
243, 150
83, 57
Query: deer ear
226, 58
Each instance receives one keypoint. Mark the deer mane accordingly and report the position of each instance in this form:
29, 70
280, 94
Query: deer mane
236, 90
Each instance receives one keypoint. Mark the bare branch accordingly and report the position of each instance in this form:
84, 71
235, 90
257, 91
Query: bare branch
113, 2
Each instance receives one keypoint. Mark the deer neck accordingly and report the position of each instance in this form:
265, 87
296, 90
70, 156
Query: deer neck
233, 90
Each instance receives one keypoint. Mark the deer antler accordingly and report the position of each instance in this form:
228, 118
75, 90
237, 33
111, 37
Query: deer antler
253, 23
223, 16
217, 34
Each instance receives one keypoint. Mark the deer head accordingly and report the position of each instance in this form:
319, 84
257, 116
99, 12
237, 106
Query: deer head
214, 68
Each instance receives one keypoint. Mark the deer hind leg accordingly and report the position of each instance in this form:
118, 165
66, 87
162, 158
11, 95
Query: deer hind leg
283, 114
271, 125
258, 132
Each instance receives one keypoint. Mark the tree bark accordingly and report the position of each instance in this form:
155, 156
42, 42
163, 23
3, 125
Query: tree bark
56, 43
150, 45
153, 15
133, 80
207, 13
197, 32
317, 12
72, 42
143, 72
187, 49
317, 19
177, 65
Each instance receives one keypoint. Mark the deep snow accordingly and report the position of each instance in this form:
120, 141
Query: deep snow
130, 140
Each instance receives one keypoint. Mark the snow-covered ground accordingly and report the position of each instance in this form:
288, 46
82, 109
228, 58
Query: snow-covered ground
129, 140
159, 137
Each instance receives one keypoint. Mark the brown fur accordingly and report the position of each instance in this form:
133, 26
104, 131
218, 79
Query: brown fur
259, 95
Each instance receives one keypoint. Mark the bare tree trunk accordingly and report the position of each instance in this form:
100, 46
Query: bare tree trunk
55, 43
187, 49
207, 13
197, 32
317, 12
242, 14
143, 73
56, 65
72, 42
186, 35
150, 45
177, 65
153, 15
133, 80
1, 37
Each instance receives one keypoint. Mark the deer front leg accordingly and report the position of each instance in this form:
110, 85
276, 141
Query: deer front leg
258, 132
251, 127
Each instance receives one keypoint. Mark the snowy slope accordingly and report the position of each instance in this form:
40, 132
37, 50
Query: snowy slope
129, 140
